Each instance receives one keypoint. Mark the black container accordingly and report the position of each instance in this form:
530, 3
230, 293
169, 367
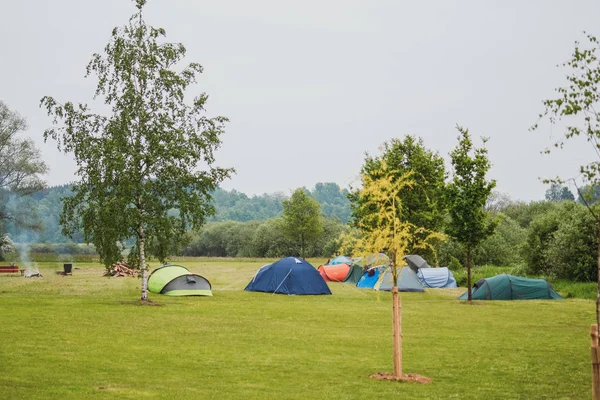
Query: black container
68, 268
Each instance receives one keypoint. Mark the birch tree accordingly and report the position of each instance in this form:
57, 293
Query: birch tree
152, 153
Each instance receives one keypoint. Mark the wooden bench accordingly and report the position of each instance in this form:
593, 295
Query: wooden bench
9, 269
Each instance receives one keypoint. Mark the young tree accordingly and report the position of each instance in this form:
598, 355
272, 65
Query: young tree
388, 231
302, 216
467, 195
577, 104
154, 153
21, 165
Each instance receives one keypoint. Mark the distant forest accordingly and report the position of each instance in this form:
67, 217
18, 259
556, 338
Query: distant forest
45, 207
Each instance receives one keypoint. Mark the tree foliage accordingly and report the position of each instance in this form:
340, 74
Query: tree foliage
154, 153
468, 194
588, 194
562, 243
385, 230
21, 167
333, 200
422, 206
576, 104
557, 192
302, 219
258, 239
576, 107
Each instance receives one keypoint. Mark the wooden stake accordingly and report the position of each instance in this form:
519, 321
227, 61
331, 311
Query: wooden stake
396, 321
595, 363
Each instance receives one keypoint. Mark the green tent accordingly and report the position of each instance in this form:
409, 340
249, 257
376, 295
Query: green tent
354, 274
175, 280
510, 287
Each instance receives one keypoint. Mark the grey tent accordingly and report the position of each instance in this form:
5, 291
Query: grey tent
415, 262
407, 281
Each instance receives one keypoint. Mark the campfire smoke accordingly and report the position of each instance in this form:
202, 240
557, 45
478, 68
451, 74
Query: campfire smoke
31, 269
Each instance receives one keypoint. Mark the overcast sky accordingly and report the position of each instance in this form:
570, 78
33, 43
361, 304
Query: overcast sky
310, 86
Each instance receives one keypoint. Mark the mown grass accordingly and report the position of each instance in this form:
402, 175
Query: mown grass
86, 337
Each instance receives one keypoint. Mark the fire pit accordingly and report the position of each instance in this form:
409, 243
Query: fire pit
32, 272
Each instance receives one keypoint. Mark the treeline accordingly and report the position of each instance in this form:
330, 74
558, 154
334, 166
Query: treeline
556, 239
260, 239
45, 207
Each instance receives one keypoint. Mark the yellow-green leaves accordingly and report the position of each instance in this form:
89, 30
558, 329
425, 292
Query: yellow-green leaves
386, 228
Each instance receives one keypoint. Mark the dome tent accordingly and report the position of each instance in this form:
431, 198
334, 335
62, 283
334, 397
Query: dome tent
175, 280
340, 260
380, 278
510, 287
407, 281
289, 275
439, 277
415, 262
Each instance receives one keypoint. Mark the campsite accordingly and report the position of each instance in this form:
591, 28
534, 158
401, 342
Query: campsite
299, 200
75, 337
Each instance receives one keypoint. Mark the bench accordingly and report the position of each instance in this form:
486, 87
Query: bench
8, 269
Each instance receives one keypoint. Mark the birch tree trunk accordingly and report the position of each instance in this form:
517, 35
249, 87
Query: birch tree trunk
469, 291
142, 250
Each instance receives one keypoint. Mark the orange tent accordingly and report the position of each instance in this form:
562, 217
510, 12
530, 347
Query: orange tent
334, 273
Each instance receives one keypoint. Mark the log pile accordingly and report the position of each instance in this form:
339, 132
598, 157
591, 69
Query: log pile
121, 268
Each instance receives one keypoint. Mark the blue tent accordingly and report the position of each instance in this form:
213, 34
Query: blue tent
369, 278
289, 275
340, 260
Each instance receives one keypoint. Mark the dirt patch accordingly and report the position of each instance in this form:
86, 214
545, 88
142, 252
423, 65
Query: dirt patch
386, 376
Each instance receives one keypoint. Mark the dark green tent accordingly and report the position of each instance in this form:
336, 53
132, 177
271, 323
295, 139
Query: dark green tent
354, 274
510, 287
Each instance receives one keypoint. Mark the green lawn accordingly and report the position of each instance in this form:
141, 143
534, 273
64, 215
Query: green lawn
85, 337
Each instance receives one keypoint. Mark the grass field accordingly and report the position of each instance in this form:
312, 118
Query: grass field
85, 337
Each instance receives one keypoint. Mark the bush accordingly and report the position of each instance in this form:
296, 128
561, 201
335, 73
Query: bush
502, 248
563, 244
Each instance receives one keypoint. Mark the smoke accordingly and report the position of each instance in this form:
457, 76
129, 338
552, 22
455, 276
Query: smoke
31, 269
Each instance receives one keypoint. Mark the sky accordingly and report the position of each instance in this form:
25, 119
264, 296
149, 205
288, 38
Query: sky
311, 86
